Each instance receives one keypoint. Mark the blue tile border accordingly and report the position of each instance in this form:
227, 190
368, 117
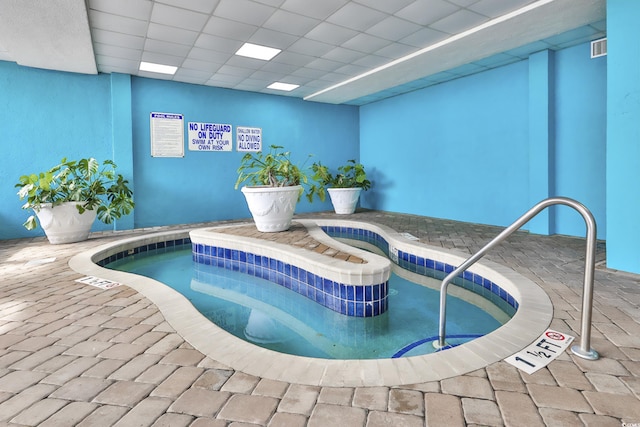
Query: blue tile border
348, 299
431, 268
344, 298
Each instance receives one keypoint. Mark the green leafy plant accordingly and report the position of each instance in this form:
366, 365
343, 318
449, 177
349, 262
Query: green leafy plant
349, 175
276, 169
85, 181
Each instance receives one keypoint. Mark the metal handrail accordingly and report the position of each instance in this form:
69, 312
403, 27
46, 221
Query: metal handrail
584, 350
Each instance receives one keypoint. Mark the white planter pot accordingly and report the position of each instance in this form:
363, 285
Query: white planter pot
272, 208
64, 224
344, 199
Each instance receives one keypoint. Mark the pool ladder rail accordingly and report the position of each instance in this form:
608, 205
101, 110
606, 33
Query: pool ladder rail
584, 350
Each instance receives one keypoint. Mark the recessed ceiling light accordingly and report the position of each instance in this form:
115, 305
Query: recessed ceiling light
258, 52
157, 68
282, 86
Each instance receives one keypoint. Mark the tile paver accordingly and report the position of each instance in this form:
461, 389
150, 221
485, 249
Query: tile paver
74, 355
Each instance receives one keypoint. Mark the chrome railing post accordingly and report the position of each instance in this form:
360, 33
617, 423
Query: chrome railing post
584, 350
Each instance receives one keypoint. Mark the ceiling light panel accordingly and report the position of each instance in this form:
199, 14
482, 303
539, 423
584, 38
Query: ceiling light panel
157, 68
282, 86
258, 52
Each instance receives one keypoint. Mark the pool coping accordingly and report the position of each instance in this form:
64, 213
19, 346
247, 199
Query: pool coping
534, 315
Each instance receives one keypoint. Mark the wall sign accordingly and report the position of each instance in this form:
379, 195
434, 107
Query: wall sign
248, 139
210, 136
167, 135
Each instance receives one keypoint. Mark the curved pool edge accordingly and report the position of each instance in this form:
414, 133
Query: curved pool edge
533, 316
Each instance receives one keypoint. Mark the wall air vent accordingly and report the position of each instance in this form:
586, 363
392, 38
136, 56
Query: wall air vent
599, 48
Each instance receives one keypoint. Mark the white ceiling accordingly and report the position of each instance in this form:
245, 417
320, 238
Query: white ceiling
351, 52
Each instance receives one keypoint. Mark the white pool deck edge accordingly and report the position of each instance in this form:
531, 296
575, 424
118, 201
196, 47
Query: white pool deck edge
532, 318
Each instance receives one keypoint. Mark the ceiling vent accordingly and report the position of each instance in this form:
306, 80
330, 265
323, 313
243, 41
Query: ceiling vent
599, 48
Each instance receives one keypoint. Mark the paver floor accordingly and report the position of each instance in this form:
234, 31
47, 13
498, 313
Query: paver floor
72, 354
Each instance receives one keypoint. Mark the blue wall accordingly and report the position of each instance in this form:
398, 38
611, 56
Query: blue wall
623, 135
457, 150
47, 115
200, 186
473, 150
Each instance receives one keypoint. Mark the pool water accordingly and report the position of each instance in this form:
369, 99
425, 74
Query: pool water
271, 316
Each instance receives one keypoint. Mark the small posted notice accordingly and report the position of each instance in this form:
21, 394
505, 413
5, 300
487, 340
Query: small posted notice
210, 136
98, 282
550, 345
167, 135
248, 139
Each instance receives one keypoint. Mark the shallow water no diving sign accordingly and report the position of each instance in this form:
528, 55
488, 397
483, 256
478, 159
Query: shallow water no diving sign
550, 345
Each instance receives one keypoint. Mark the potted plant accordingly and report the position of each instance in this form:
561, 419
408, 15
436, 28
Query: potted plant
67, 198
275, 185
345, 186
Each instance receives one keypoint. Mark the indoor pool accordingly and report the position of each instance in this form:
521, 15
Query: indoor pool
271, 316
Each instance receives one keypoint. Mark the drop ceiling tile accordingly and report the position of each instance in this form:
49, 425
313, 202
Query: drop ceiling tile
117, 39
495, 8
169, 48
459, 21
371, 61
245, 62
385, 5
568, 36
171, 34
203, 66
314, 9
118, 24
366, 43
393, 28
352, 70
272, 38
290, 23
292, 58
331, 34
120, 63
138, 9
424, 37
266, 76
496, 60
356, 16
188, 72
279, 67
309, 47
308, 73
273, 3
209, 55
325, 64
229, 29
463, 3
204, 6
341, 54
396, 50
235, 71
245, 11
523, 52
5, 56
160, 58
117, 51
426, 12
177, 17
220, 44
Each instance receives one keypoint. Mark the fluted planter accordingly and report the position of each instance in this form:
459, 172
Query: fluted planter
64, 224
344, 200
272, 208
